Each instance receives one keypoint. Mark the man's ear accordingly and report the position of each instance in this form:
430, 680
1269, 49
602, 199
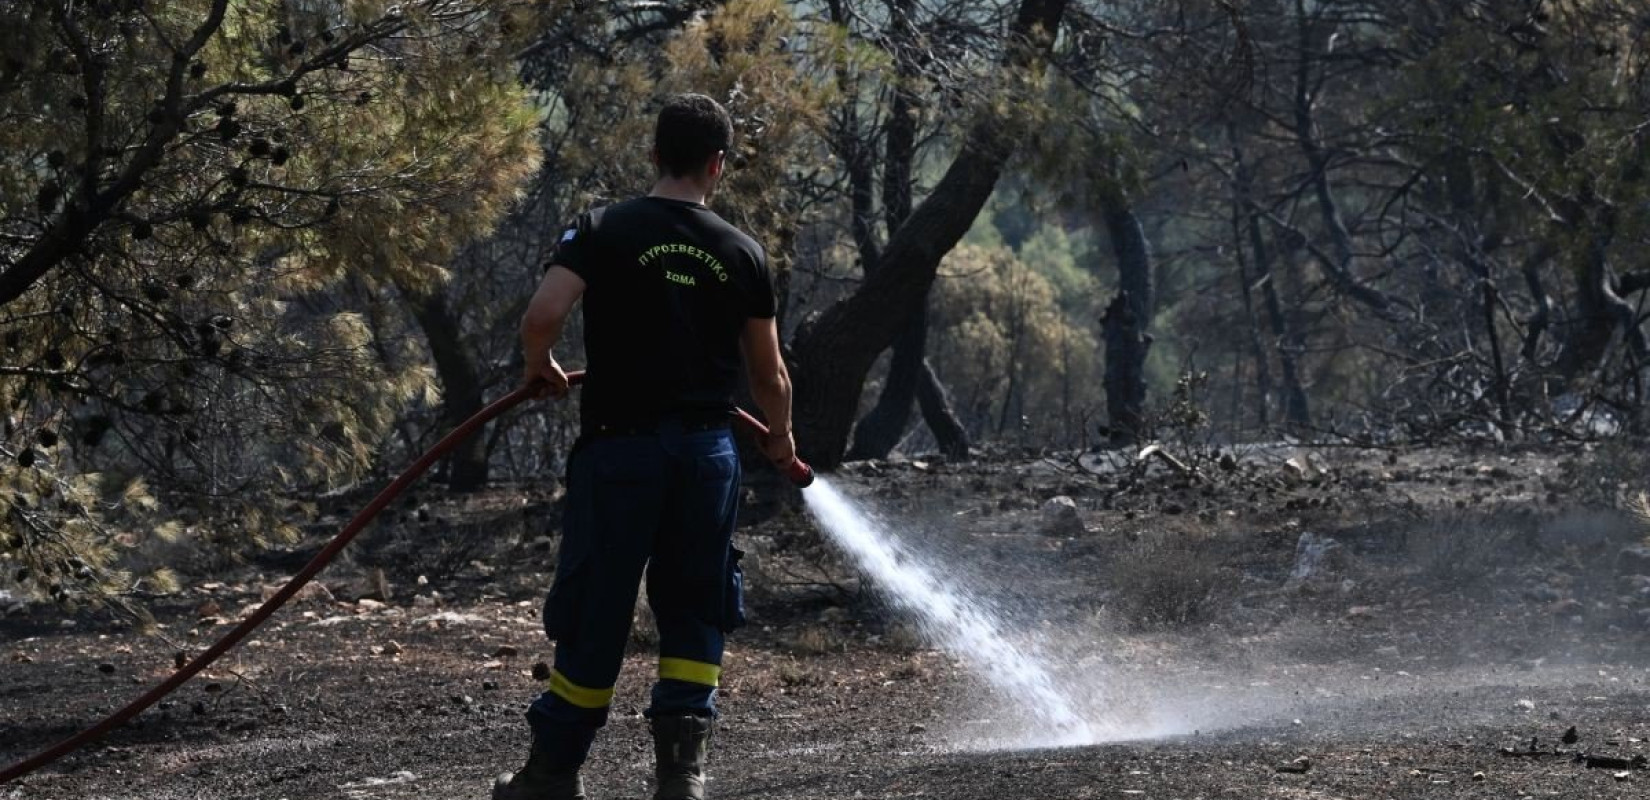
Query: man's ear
653, 155
717, 162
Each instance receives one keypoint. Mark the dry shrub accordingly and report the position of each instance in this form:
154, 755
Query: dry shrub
904, 638
1167, 580
813, 640
1460, 549
910, 671
1602, 475
793, 675
1640, 509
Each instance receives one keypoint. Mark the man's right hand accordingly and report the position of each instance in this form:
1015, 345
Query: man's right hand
780, 448
550, 378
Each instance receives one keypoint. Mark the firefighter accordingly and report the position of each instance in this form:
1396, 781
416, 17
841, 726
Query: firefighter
674, 299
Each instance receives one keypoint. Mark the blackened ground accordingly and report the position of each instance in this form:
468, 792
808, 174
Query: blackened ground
1474, 603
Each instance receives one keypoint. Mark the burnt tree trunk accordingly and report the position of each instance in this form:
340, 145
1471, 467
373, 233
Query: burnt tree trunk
1536, 326
1604, 318
859, 161
461, 392
910, 378
1246, 286
909, 374
1257, 342
1503, 402
881, 429
834, 354
1290, 344
1127, 345
1632, 283
942, 419
1337, 265
1127, 321
1286, 340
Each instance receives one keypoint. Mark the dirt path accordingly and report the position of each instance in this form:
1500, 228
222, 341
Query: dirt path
318, 708
1430, 644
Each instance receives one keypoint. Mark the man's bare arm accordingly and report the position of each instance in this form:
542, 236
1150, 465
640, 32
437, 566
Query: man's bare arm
770, 386
541, 327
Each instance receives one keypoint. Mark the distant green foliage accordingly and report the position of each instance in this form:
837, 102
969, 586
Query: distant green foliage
1068, 262
1016, 363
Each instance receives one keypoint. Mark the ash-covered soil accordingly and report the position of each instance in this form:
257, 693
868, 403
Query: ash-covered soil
1350, 625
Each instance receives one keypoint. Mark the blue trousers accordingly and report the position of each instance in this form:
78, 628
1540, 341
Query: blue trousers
665, 502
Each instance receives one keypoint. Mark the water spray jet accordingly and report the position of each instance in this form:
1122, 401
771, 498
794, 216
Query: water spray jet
963, 623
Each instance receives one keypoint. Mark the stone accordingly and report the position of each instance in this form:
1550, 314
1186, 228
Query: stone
1316, 557
309, 592
1301, 467
1634, 560
1061, 517
1543, 593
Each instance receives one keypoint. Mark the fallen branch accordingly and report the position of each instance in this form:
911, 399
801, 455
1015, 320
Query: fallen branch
1163, 455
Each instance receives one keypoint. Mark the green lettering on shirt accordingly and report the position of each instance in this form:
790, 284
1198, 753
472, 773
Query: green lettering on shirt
716, 268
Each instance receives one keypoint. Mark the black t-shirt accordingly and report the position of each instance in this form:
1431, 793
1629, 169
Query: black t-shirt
669, 286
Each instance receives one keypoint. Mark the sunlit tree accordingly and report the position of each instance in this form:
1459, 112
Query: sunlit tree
203, 204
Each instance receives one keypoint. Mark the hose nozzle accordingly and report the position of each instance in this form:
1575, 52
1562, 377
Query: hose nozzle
800, 473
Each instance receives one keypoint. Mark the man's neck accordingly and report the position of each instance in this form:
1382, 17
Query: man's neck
686, 190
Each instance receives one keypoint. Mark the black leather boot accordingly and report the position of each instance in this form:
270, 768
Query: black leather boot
680, 744
537, 781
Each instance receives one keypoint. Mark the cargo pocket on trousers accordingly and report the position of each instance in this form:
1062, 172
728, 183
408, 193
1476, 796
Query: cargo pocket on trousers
733, 597
563, 604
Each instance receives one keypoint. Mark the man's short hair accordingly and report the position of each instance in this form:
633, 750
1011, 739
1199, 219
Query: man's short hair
692, 128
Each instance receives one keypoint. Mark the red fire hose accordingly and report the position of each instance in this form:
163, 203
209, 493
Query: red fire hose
798, 472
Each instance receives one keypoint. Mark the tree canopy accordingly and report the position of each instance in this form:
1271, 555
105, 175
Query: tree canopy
251, 253
202, 202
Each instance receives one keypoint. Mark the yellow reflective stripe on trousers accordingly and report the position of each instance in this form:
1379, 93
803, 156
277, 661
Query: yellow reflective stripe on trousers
580, 696
681, 669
